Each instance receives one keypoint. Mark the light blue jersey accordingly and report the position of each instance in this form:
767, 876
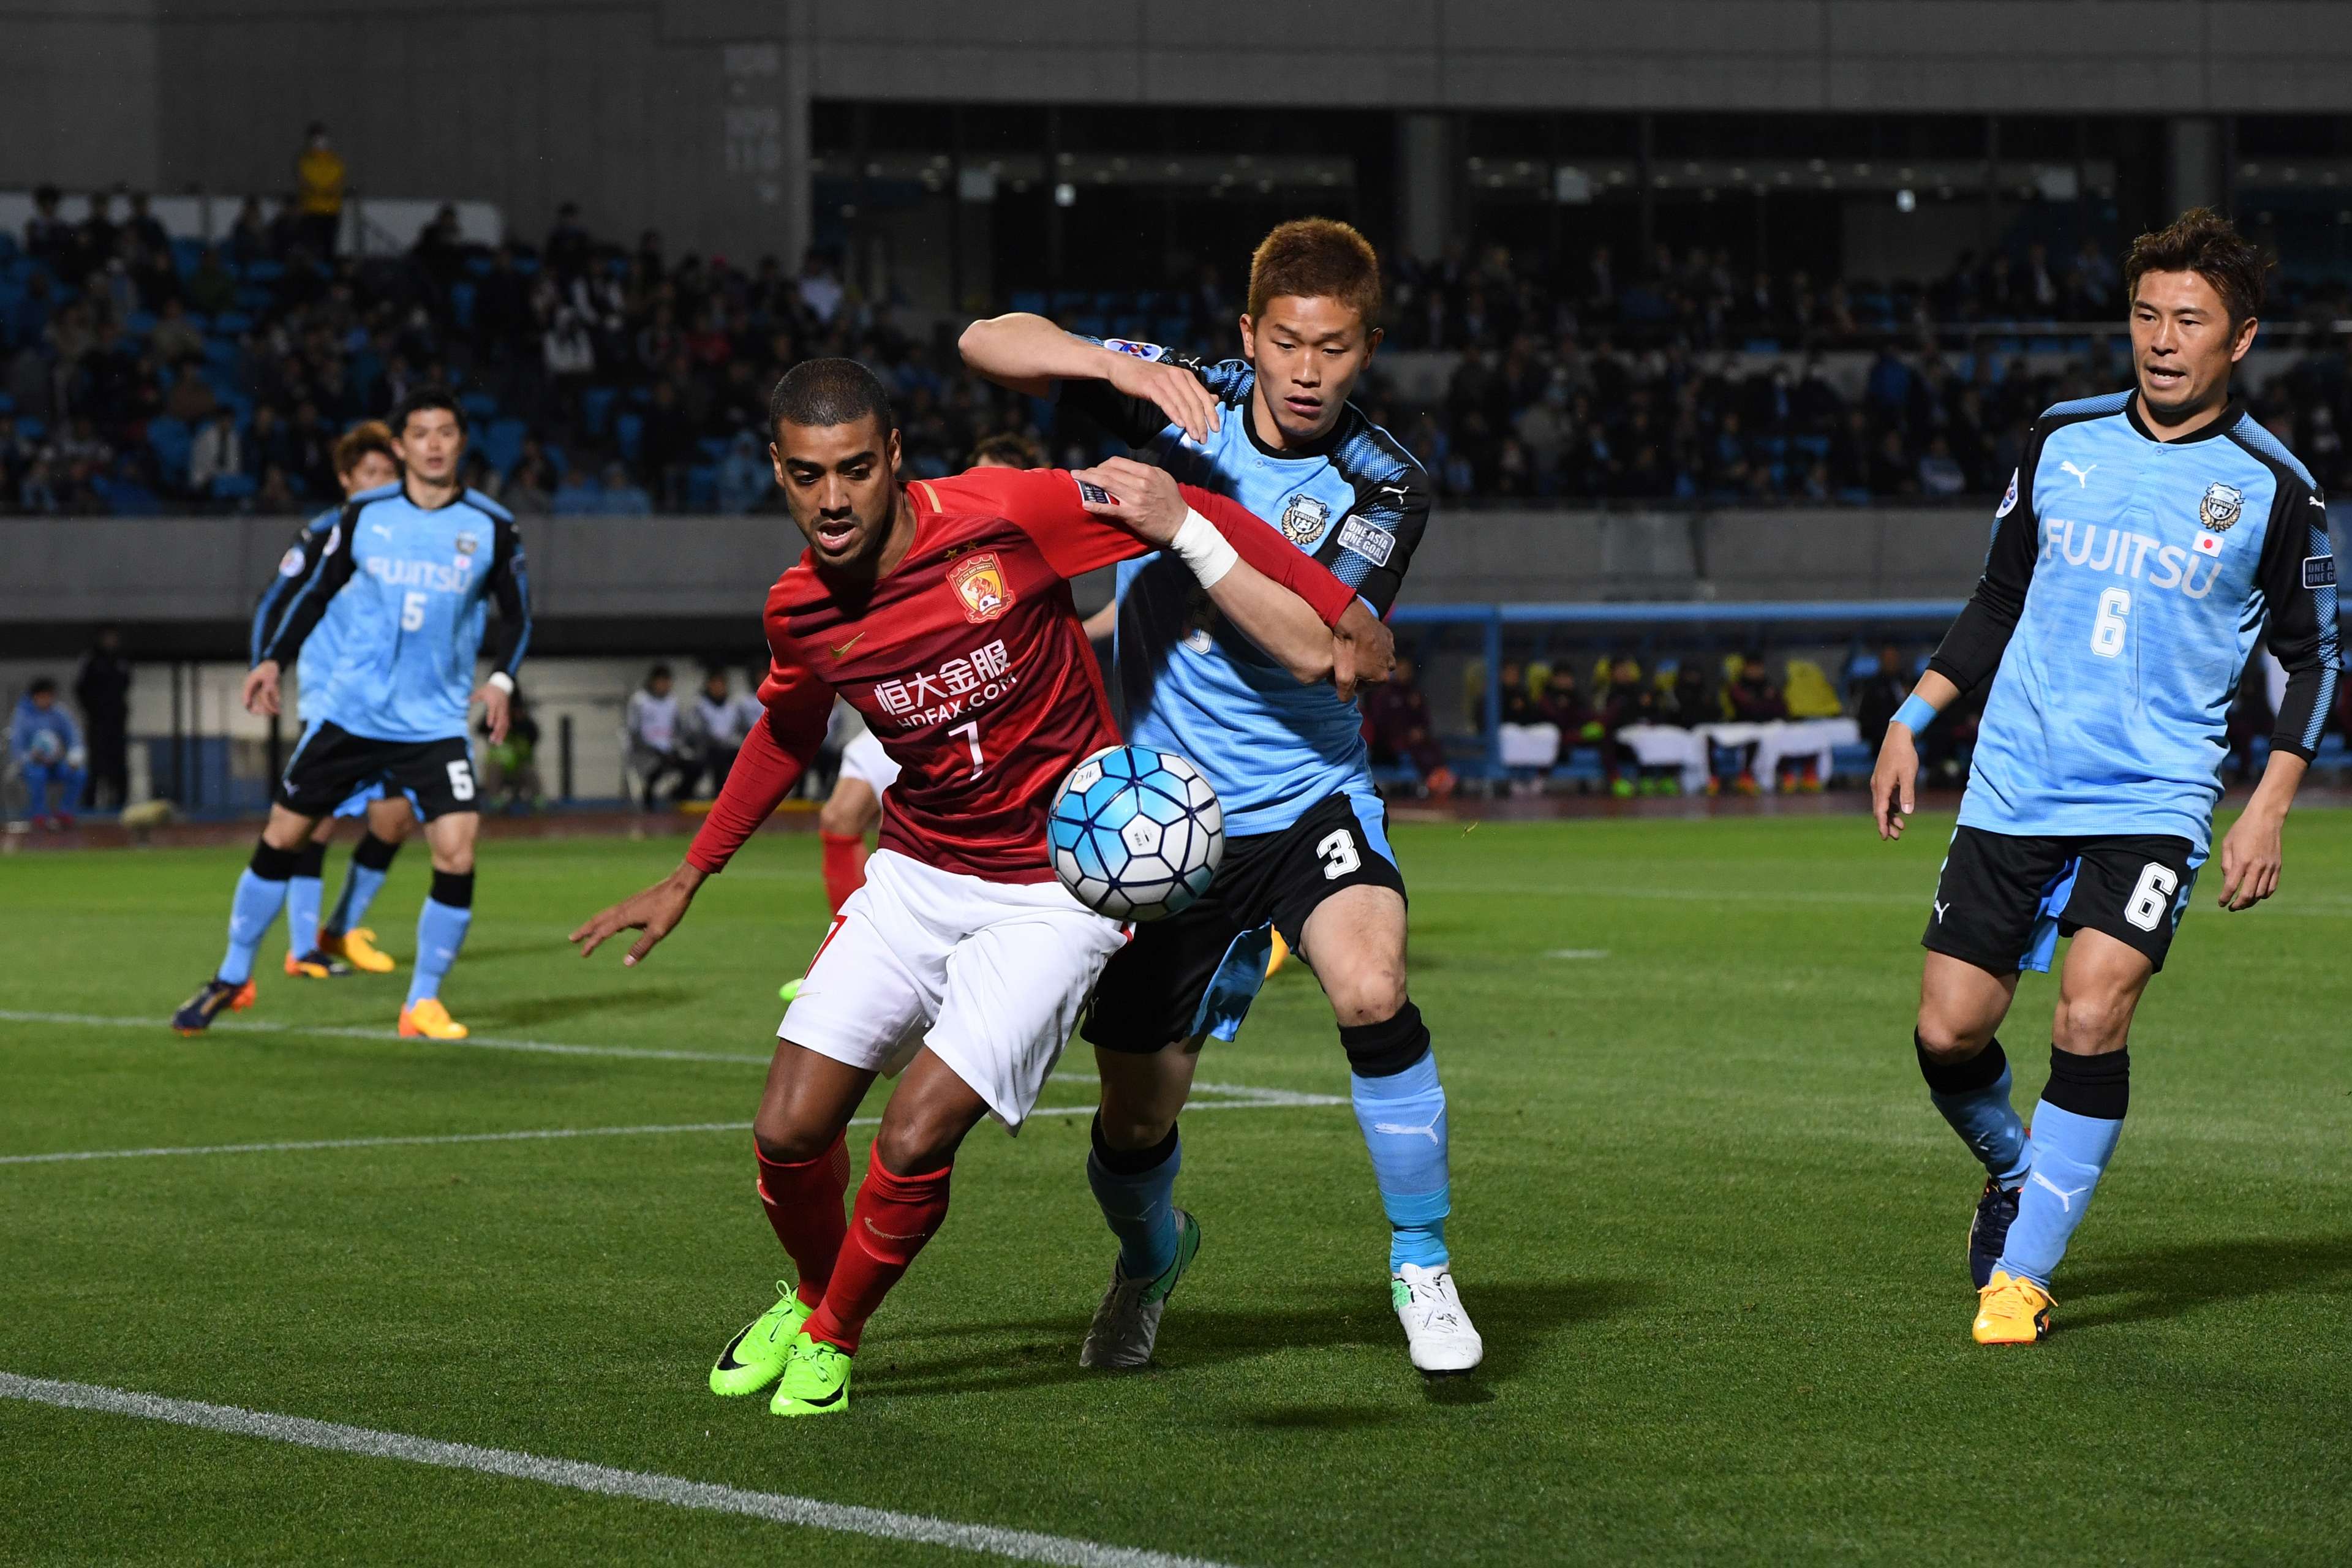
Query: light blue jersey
409, 588
2127, 580
317, 662
1195, 685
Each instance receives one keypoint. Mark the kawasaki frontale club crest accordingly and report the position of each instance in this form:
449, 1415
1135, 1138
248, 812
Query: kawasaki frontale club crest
2218, 510
1303, 518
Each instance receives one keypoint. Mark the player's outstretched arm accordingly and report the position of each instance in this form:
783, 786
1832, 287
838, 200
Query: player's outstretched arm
1252, 574
1895, 782
1028, 353
655, 911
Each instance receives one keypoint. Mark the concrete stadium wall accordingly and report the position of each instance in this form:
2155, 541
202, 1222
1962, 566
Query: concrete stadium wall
697, 581
693, 115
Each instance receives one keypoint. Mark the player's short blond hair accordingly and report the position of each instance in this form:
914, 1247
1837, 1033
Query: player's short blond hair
1317, 258
367, 436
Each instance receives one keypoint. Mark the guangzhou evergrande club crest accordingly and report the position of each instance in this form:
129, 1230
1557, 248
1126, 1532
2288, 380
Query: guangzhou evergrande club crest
2219, 508
979, 582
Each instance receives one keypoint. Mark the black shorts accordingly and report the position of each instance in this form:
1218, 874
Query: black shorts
2003, 901
332, 765
1195, 972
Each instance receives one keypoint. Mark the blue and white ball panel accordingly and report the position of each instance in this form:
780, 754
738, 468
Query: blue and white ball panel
1135, 834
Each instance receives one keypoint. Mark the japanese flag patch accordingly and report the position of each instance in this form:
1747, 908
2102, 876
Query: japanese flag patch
2319, 571
2208, 544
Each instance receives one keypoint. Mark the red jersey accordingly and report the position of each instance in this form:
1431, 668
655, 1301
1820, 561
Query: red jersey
969, 665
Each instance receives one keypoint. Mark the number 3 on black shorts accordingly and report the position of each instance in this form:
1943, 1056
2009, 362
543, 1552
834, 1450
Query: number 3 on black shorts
1337, 850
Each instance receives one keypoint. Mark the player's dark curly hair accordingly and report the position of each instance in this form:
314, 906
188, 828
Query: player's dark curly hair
830, 392
1312, 257
2203, 241
423, 398
1005, 450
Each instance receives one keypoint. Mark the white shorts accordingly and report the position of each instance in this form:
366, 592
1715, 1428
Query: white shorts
990, 975
864, 759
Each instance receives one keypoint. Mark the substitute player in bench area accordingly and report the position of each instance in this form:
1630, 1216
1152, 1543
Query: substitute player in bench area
2145, 540
1308, 859
941, 611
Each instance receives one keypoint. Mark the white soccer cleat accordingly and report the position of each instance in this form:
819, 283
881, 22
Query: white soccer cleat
1437, 1330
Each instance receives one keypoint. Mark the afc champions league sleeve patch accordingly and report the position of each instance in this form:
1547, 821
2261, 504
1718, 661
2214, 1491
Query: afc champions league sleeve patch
1130, 347
290, 564
2009, 502
1374, 544
2319, 571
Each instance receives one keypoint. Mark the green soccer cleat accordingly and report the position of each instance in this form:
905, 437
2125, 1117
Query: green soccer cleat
1127, 1323
817, 1380
756, 1357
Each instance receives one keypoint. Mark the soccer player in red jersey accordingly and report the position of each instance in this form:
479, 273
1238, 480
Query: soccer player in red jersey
940, 610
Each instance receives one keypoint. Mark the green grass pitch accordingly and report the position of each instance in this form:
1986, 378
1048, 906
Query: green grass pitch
1704, 1214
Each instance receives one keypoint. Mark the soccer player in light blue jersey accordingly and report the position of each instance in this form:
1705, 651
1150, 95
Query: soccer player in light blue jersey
1308, 853
416, 565
2147, 540
318, 948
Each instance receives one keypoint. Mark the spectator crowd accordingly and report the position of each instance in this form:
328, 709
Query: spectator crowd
143, 372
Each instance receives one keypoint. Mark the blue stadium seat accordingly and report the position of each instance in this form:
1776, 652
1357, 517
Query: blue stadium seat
253, 298
139, 323
1030, 301
1174, 331
32, 429
1851, 760
628, 434
461, 304
479, 265
597, 407
187, 254
713, 448
221, 352
1088, 325
702, 488
264, 270
501, 444
233, 487
478, 405
173, 441
231, 323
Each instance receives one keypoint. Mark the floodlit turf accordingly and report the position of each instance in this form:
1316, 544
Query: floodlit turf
1704, 1217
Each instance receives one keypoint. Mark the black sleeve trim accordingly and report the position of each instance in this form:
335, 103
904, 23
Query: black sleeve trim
509, 584
1374, 543
2297, 577
1971, 651
336, 561
270, 611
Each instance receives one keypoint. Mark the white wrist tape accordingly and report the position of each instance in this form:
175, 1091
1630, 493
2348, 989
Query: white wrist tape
1205, 550
503, 681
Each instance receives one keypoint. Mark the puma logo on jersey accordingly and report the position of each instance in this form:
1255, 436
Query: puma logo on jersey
2066, 1196
2081, 476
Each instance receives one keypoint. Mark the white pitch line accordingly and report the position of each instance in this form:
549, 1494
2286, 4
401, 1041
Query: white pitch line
1577, 952
778, 1508
1256, 1099
476, 1042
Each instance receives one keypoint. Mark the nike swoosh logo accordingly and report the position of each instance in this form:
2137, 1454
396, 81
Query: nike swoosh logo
727, 1362
892, 1234
830, 1399
845, 648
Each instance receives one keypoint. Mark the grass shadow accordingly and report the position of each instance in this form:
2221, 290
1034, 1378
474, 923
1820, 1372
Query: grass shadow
1513, 1317
524, 1012
2170, 1281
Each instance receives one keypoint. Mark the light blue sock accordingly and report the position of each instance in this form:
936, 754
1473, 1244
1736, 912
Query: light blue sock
1139, 1206
2068, 1152
251, 915
440, 933
360, 884
304, 896
1403, 1116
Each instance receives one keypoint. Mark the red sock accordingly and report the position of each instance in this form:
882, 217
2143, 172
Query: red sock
892, 1218
804, 1203
845, 866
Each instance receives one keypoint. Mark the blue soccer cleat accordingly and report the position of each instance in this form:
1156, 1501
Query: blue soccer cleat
1989, 1230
